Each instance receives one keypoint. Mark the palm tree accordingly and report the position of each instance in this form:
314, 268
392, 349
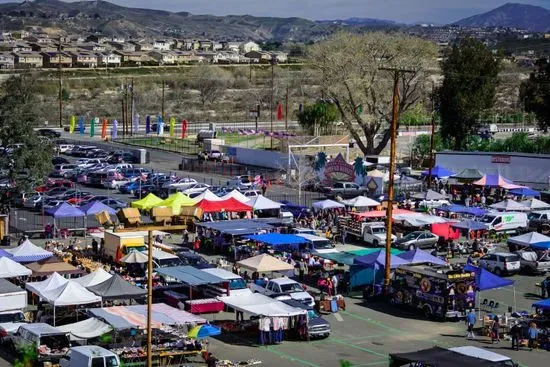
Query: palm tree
359, 169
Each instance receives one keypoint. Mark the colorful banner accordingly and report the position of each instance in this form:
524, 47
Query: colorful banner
183, 128
147, 124
104, 129
81, 126
72, 124
160, 125
136, 123
114, 130
92, 127
172, 126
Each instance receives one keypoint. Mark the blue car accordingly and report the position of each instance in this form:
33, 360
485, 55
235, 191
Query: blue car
130, 187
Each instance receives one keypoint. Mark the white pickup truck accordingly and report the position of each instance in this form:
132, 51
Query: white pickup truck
284, 287
373, 233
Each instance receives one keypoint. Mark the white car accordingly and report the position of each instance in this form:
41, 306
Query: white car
501, 263
239, 182
196, 188
215, 155
184, 183
63, 148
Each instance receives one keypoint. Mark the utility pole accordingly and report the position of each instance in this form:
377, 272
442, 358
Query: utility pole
162, 102
129, 115
432, 138
123, 110
273, 61
133, 109
393, 131
286, 110
60, 86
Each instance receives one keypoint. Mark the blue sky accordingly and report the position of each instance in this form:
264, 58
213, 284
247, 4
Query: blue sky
408, 11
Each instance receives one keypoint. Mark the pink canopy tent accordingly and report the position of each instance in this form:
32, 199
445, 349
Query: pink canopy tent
496, 181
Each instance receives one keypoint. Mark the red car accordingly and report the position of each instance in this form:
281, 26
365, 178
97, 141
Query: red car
54, 183
78, 200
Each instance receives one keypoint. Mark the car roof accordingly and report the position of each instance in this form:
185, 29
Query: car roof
284, 281
481, 353
92, 350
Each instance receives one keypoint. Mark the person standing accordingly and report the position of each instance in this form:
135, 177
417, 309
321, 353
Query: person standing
533, 334
335, 283
543, 287
470, 323
495, 330
197, 245
301, 269
516, 332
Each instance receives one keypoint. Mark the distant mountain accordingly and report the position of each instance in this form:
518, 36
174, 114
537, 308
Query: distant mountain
99, 16
366, 22
529, 17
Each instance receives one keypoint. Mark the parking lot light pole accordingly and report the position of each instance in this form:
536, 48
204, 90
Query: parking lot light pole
273, 62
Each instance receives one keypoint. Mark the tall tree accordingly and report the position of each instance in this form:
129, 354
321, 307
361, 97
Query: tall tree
535, 93
27, 158
211, 82
470, 72
317, 119
349, 70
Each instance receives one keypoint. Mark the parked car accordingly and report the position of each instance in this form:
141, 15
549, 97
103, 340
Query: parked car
317, 326
130, 187
61, 170
55, 183
196, 188
417, 239
343, 190
194, 259
281, 287
64, 148
33, 202
60, 160
114, 203
239, 183
215, 155
97, 153
533, 262
501, 263
49, 133
52, 203
56, 192
124, 157
89, 356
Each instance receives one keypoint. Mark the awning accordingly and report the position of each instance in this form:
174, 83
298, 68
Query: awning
429, 195
535, 204
496, 181
470, 225
417, 256
189, 275
65, 211
96, 277
237, 227
460, 209
525, 191
509, 205
8, 287
176, 201
263, 203
87, 329
533, 239
278, 239
265, 263
117, 288
53, 265
327, 204
486, 280
257, 304
52, 282
361, 202
544, 304
419, 220
12, 269
70, 294
237, 195
378, 259
229, 205
439, 172
28, 252
147, 202
96, 207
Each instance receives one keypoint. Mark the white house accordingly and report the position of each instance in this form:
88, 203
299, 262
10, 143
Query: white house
249, 46
161, 45
109, 59
164, 57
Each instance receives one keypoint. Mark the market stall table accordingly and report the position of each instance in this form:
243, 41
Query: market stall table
205, 305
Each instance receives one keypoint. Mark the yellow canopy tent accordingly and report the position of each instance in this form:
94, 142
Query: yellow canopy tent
176, 201
147, 202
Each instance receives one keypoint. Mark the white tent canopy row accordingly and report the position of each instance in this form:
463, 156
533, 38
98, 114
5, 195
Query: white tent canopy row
509, 205
96, 277
69, 294
420, 219
12, 269
361, 202
265, 263
327, 204
87, 329
535, 204
52, 282
257, 304
262, 203
237, 195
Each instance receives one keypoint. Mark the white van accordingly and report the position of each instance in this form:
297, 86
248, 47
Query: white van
237, 285
90, 356
317, 244
505, 222
163, 259
481, 353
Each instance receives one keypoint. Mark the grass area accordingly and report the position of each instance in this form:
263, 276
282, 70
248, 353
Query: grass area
186, 146
235, 138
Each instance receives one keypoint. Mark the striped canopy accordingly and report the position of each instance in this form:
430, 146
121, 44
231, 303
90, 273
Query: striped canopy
496, 181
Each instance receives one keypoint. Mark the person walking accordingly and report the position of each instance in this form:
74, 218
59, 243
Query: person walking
533, 334
516, 332
301, 269
495, 330
470, 323
334, 283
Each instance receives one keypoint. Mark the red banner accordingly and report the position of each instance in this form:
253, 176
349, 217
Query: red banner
104, 129
183, 128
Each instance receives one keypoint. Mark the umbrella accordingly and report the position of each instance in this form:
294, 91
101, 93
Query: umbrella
203, 331
135, 257
429, 195
439, 172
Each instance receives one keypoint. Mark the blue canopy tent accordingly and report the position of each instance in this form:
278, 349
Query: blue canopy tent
470, 225
461, 209
97, 207
279, 242
533, 239
439, 172
485, 280
543, 305
65, 210
368, 268
296, 209
525, 191
417, 256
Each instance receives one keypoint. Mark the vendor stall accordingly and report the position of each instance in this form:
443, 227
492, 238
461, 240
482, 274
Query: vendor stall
87, 329
96, 277
117, 288
12, 269
28, 252
265, 263
69, 294
147, 202
327, 204
279, 242
53, 265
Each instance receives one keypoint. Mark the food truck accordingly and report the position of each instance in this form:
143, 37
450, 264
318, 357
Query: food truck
438, 291
118, 245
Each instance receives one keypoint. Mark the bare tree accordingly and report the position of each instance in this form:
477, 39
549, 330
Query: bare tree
210, 81
349, 70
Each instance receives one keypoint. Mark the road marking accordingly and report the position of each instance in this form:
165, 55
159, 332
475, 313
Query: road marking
338, 317
374, 322
272, 349
337, 341
385, 361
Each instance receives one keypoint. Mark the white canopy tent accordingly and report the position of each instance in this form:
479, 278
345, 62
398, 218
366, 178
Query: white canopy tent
54, 281
508, 205
12, 269
535, 204
265, 263
361, 202
263, 203
87, 329
28, 252
420, 219
237, 195
529, 239
69, 294
135, 257
207, 195
96, 277
327, 204
257, 304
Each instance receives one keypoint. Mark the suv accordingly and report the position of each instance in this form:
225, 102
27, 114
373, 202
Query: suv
534, 262
501, 263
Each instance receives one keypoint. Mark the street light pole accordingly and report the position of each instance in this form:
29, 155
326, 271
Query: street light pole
273, 61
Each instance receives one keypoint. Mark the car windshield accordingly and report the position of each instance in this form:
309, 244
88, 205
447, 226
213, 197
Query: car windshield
378, 230
292, 287
487, 219
237, 284
322, 245
12, 317
532, 216
411, 236
111, 361
512, 258
165, 263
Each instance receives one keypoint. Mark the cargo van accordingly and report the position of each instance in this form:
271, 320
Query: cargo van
505, 222
35, 335
90, 356
317, 244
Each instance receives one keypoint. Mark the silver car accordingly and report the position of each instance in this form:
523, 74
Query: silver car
417, 239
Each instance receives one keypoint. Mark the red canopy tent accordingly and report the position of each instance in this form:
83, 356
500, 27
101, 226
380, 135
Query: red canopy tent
229, 205
445, 230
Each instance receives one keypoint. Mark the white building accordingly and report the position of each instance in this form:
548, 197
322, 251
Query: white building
249, 46
161, 45
109, 59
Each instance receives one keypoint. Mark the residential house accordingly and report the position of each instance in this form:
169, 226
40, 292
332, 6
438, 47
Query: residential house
258, 56
280, 56
118, 39
7, 60
231, 46
19, 47
85, 59
90, 46
217, 46
134, 58
109, 59
190, 45
164, 57
43, 47
143, 46
69, 47
98, 39
187, 57
249, 46
161, 45
208, 57
28, 59
205, 45
53, 59
43, 39
226, 57
125, 47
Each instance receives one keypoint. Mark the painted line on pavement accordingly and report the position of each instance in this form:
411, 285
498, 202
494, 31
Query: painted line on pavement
338, 317
384, 361
274, 350
374, 322
370, 351
362, 337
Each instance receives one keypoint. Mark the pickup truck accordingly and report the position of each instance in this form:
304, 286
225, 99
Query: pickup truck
283, 287
539, 221
532, 262
373, 233
343, 190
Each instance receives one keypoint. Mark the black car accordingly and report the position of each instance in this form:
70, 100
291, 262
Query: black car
193, 259
59, 160
125, 157
49, 133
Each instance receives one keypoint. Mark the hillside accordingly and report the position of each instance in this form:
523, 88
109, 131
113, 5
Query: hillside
110, 19
529, 17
